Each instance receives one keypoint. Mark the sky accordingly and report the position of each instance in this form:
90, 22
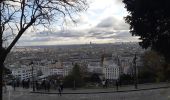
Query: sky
103, 22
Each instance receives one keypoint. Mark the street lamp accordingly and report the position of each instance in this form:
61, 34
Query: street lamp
120, 71
33, 86
135, 72
74, 84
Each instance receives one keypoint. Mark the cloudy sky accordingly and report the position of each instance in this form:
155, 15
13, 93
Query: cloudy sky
102, 23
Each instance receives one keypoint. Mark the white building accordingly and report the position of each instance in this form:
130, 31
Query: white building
61, 69
57, 71
23, 72
67, 70
94, 67
45, 70
111, 71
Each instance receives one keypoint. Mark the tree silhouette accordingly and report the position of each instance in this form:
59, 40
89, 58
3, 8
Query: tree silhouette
17, 16
150, 19
153, 67
75, 78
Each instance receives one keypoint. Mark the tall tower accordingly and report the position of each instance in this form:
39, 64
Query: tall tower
103, 59
120, 65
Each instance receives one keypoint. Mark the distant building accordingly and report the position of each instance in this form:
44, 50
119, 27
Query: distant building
23, 72
94, 67
59, 68
57, 71
110, 68
111, 72
67, 70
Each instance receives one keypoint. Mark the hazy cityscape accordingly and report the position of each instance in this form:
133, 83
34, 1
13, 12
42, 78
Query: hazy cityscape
30, 66
84, 50
59, 60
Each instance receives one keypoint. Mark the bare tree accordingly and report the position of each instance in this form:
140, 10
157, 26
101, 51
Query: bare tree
16, 16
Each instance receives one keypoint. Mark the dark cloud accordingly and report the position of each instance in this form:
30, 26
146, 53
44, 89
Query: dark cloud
124, 36
36, 39
109, 22
95, 33
46, 36
113, 23
98, 32
60, 34
119, 35
105, 37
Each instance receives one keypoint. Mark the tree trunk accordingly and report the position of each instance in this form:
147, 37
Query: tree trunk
2, 59
1, 79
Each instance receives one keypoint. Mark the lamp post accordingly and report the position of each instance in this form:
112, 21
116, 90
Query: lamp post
135, 72
74, 84
33, 86
120, 71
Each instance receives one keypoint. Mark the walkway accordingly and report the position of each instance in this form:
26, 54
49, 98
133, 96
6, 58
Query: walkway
94, 94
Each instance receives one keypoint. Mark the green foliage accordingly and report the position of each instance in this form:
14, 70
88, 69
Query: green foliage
74, 77
6, 71
126, 79
150, 19
146, 76
95, 78
153, 61
153, 69
69, 81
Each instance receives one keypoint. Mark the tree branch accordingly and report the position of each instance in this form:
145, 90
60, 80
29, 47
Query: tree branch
19, 35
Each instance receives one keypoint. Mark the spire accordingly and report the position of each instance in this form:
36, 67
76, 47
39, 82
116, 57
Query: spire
103, 58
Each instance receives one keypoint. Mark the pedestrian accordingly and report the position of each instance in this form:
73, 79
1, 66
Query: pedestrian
61, 86
5, 86
23, 83
59, 90
37, 85
43, 84
103, 83
48, 85
14, 84
28, 83
106, 83
117, 85
17, 82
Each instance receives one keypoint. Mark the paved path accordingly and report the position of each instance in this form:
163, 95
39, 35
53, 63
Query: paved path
155, 94
122, 88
